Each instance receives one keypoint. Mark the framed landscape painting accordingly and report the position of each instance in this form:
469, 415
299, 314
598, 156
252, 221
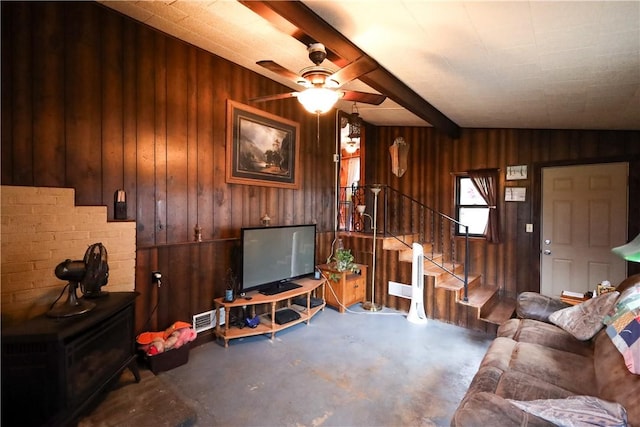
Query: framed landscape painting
262, 148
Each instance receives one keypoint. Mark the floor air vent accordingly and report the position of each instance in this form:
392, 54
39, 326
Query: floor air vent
207, 320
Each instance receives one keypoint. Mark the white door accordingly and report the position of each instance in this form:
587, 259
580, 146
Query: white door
584, 215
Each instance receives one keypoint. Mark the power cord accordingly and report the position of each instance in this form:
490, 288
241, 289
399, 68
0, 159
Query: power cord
59, 296
148, 321
333, 243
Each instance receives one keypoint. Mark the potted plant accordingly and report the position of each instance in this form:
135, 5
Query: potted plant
343, 261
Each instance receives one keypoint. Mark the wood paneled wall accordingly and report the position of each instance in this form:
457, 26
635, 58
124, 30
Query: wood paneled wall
512, 265
96, 101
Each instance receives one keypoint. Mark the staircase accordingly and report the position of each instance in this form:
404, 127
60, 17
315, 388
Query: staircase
486, 301
445, 260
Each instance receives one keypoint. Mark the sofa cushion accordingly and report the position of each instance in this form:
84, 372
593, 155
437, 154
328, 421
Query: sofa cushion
486, 379
569, 371
532, 305
499, 354
520, 386
487, 409
513, 385
546, 334
576, 411
584, 320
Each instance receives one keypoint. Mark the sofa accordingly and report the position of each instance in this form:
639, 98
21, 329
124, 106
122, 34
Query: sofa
538, 373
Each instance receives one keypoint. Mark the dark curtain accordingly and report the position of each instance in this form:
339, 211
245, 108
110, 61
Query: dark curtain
486, 182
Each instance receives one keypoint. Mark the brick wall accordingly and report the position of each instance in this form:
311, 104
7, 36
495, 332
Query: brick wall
41, 227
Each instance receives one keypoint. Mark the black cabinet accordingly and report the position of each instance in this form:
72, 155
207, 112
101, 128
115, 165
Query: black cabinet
53, 368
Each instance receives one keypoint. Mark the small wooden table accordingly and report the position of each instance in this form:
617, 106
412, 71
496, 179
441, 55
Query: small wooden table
349, 289
572, 298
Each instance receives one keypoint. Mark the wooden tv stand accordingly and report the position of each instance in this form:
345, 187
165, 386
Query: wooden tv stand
268, 325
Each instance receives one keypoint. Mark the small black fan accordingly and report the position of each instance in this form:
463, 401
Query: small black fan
97, 271
90, 274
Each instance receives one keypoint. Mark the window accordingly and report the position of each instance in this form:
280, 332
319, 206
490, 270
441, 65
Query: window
471, 209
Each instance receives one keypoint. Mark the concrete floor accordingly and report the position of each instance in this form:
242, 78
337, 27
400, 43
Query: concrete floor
352, 369
151, 402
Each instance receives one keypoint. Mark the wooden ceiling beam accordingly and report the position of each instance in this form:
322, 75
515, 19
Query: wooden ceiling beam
296, 19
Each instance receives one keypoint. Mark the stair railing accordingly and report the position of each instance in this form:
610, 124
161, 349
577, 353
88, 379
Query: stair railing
408, 220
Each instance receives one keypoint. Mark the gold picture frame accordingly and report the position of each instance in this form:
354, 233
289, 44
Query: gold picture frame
261, 148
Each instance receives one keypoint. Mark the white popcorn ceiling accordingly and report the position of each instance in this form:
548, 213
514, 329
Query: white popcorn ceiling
503, 64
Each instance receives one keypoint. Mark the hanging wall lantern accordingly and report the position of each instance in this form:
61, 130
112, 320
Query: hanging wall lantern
355, 123
399, 152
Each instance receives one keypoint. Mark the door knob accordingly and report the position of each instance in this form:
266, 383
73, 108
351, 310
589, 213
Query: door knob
547, 252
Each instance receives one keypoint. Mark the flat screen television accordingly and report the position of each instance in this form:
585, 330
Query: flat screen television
273, 256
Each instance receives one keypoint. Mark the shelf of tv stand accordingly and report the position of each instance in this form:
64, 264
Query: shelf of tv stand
268, 324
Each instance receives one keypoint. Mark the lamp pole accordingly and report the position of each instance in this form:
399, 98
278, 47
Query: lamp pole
371, 305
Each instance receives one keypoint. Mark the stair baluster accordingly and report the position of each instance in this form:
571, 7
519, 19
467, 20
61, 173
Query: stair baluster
408, 221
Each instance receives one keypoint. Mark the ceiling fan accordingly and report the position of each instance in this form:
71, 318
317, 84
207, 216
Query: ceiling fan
322, 84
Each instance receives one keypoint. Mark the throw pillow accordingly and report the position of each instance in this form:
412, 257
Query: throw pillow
623, 327
576, 411
584, 320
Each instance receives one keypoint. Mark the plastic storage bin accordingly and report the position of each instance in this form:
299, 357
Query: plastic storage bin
169, 359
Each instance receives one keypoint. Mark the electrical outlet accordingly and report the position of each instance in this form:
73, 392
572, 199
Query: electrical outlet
156, 278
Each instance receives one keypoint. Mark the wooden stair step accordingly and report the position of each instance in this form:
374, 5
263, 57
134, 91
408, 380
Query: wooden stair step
392, 244
499, 312
451, 283
475, 281
438, 272
398, 243
479, 296
407, 256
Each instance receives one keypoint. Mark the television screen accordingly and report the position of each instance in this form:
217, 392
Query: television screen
271, 255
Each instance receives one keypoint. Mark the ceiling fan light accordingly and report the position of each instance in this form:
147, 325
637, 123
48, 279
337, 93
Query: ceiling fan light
318, 100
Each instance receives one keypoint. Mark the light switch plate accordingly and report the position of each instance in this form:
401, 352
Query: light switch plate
528, 228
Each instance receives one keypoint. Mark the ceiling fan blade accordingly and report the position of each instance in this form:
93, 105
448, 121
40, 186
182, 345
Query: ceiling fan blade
274, 97
357, 68
367, 98
279, 69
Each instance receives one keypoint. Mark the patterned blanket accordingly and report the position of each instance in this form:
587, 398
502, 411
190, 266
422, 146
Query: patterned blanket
623, 327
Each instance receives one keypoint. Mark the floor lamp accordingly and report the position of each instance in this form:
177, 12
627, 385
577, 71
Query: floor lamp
371, 305
630, 251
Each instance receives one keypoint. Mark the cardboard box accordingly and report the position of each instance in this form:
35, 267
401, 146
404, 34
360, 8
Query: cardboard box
169, 359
